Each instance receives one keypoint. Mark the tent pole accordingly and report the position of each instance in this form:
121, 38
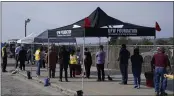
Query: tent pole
48, 58
83, 61
76, 43
99, 41
154, 44
32, 52
68, 46
58, 48
108, 54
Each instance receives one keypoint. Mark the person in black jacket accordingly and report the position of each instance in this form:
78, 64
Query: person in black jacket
29, 55
22, 58
124, 56
64, 62
87, 62
136, 60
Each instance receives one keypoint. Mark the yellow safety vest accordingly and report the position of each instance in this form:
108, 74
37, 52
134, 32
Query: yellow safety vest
37, 55
3, 51
73, 59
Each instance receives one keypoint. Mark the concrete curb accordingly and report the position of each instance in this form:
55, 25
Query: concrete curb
66, 91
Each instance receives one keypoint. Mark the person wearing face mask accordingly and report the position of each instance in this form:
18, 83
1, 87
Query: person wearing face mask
136, 60
17, 50
22, 58
160, 62
64, 62
4, 58
124, 56
79, 62
101, 56
51, 59
88, 62
73, 63
38, 60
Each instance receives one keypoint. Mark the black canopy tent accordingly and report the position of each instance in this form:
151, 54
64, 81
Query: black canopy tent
93, 26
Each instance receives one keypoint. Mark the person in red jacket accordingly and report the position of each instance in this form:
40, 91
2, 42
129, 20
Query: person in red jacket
159, 63
51, 60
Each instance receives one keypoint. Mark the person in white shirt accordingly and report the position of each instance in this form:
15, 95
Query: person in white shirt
17, 50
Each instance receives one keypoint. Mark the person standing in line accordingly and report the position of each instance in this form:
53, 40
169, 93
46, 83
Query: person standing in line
38, 60
64, 61
79, 61
44, 54
51, 59
88, 62
43, 58
160, 62
136, 60
101, 55
124, 56
29, 55
18, 48
73, 63
46, 51
22, 58
4, 58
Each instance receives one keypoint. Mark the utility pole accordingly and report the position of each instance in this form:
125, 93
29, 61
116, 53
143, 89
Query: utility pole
26, 21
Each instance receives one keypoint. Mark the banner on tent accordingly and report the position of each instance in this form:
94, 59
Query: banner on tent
102, 32
111, 32
124, 32
78, 32
64, 33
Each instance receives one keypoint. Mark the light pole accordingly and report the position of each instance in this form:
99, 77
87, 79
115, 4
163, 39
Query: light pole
26, 21
28, 72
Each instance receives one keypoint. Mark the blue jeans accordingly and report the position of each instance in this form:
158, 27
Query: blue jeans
124, 72
159, 80
137, 76
38, 64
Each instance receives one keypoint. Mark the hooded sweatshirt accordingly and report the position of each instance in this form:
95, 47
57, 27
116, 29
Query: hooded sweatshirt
136, 59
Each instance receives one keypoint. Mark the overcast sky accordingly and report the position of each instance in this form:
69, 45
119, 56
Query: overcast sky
47, 15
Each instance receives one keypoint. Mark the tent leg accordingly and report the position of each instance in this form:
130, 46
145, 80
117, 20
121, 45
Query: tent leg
32, 59
154, 43
76, 43
108, 54
83, 63
81, 91
99, 41
58, 48
48, 58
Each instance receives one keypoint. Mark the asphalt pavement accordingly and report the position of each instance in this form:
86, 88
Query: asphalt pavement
17, 85
91, 86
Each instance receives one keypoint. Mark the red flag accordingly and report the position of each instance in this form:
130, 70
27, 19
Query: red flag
87, 22
157, 27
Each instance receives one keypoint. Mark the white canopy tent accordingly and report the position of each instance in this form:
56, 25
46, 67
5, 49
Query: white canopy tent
39, 38
28, 40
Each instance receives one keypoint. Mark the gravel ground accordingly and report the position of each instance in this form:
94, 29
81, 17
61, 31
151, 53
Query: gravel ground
16, 85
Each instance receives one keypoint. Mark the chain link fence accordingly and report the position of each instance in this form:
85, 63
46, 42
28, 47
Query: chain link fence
113, 50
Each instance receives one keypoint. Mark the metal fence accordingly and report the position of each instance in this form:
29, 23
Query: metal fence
114, 53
